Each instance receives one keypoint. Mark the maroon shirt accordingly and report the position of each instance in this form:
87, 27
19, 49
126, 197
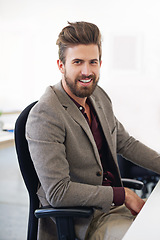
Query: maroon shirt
109, 178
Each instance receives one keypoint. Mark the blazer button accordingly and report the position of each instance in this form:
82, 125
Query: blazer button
99, 173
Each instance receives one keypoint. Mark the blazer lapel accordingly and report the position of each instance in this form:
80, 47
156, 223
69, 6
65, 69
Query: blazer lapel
104, 123
75, 113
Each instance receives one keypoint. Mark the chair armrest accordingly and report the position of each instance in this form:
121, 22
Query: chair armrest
64, 212
132, 183
64, 218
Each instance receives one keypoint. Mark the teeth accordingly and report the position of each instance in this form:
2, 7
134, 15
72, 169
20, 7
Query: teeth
85, 81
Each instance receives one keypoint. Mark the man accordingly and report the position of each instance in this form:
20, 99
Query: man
74, 139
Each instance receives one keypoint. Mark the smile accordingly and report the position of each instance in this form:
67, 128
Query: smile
85, 80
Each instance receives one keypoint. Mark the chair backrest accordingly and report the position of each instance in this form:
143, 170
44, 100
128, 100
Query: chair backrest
27, 169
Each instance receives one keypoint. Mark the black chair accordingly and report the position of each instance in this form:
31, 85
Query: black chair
63, 216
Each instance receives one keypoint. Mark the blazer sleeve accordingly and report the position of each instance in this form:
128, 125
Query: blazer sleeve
135, 151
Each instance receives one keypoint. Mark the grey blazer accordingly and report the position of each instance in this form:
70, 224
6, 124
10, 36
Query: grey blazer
66, 158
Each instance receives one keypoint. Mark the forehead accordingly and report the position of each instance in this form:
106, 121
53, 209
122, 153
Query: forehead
81, 51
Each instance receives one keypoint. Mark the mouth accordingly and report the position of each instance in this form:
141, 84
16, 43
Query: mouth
85, 80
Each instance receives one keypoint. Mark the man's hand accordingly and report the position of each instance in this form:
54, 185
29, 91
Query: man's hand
133, 202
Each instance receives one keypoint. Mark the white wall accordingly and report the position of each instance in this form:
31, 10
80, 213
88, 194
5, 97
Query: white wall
131, 55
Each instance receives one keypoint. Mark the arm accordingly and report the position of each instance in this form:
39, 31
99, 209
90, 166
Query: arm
135, 151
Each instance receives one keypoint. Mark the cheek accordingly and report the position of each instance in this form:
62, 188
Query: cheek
73, 72
97, 72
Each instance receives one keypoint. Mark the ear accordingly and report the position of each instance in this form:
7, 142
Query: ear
100, 63
60, 66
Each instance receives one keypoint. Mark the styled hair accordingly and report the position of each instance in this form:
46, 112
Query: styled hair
78, 33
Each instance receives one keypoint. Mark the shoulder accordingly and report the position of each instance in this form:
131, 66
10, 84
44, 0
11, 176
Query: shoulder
100, 94
48, 103
45, 114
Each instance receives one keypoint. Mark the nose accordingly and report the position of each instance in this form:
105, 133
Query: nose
86, 70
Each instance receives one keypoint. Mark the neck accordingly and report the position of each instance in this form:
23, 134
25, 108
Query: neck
81, 101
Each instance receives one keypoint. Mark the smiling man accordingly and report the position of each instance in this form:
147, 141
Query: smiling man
74, 138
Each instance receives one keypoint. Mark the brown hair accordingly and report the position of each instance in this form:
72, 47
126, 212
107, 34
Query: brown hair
78, 33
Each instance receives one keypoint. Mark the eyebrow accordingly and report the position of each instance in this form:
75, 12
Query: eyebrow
78, 59
95, 59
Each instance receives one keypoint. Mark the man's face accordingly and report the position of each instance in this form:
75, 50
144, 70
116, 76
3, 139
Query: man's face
81, 70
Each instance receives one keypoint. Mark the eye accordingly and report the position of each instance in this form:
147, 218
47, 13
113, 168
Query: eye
94, 62
77, 61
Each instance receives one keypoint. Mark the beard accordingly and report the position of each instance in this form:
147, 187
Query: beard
79, 90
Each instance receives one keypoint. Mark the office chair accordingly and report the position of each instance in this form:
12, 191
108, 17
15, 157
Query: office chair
63, 216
